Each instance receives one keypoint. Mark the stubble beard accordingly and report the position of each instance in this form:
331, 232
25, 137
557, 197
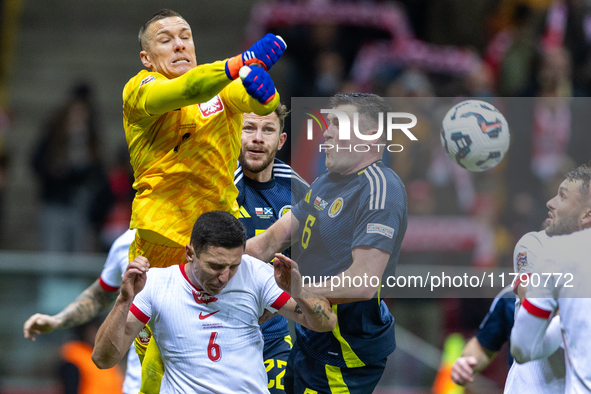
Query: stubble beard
257, 166
565, 226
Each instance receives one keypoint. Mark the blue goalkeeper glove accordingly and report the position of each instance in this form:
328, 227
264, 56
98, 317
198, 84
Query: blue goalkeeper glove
258, 84
265, 52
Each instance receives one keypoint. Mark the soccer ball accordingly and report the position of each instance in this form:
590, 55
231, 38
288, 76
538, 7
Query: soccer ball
475, 135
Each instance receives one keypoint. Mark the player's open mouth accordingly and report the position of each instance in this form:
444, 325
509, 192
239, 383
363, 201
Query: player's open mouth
180, 61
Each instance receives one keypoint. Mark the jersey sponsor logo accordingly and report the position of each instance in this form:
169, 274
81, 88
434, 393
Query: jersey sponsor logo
144, 336
319, 203
376, 228
211, 107
203, 298
284, 209
203, 317
149, 78
336, 207
207, 326
521, 261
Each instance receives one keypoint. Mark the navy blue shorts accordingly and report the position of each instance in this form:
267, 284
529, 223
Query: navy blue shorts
275, 354
306, 375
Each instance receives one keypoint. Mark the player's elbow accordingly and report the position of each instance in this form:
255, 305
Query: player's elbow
332, 323
520, 354
102, 361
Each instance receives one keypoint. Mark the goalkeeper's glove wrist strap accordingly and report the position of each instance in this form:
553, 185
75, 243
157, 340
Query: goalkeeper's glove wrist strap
233, 66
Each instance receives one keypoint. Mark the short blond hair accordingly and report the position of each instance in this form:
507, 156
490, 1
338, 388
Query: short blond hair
162, 14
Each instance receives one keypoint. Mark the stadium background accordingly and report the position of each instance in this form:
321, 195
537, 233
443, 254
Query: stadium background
412, 48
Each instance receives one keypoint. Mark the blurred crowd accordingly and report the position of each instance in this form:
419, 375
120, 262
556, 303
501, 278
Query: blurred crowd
84, 206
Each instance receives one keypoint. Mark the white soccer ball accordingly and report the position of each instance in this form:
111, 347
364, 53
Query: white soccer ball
475, 135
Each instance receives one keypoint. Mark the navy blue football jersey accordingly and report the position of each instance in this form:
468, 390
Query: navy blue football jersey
339, 213
496, 326
261, 204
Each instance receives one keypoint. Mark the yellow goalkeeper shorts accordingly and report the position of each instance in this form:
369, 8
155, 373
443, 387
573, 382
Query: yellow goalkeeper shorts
160, 251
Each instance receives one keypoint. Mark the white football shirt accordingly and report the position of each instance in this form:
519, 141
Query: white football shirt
541, 376
210, 343
569, 293
110, 281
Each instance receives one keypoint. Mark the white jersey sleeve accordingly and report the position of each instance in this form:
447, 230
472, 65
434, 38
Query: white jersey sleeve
142, 307
271, 296
527, 251
117, 261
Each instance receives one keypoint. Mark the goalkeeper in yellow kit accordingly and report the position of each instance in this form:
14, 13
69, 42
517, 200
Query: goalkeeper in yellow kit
183, 124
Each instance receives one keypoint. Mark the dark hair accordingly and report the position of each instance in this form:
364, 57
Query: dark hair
162, 14
217, 228
281, 112
368, 106
582, 173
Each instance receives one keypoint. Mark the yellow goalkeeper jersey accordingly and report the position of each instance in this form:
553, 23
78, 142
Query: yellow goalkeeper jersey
184, 159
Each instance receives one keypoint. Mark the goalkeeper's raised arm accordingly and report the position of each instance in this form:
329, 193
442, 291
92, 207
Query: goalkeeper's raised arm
167, 49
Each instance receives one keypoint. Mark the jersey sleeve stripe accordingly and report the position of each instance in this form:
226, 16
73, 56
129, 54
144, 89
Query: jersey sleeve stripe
518, 282
238, 178
370, 189
377, 195
280, 301
106, 287
141, 316
384, 188
535, 311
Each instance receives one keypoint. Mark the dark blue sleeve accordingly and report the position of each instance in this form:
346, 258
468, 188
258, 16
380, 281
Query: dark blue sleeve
378, 221
495, 329
299, 187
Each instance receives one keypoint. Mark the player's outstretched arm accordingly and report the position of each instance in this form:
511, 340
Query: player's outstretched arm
473, 360
304, 307
117, 332
202, 83
273, 240
90, 303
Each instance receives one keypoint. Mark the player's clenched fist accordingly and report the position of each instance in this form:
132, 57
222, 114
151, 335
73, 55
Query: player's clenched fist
462, 371
258, 84
265, 53
134, 278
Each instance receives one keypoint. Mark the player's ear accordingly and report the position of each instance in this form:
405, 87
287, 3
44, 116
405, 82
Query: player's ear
145, 58
189, 253
586, 218
374, 133
282, 139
